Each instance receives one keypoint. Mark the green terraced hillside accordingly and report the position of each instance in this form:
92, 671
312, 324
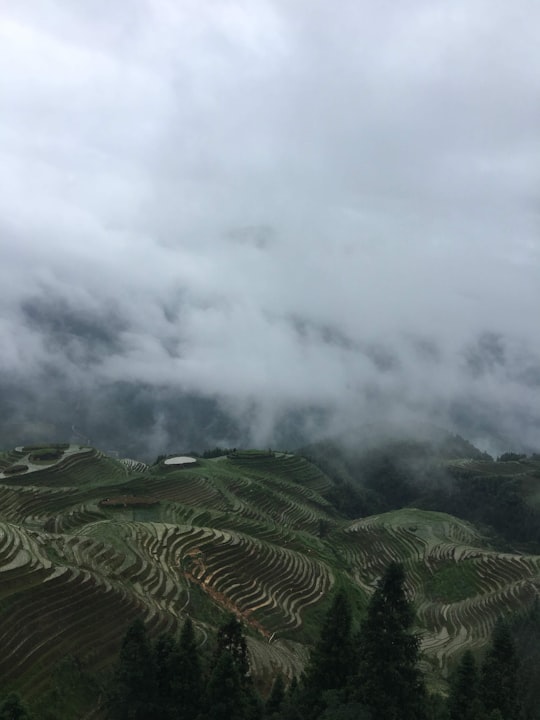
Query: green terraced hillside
89, 543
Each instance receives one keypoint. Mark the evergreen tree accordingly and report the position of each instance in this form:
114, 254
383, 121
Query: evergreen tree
276, 697
166, 661
231, 638
332, 661
11, 708
389, 682
499, 683
134, 692
224, 694
464, 700
291, 705
437, 708
186, 686
346, 711
230, 688
525, 629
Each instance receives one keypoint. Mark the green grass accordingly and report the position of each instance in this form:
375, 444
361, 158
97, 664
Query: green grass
314, 615
74, 692
250, 455
46, 447
452, 582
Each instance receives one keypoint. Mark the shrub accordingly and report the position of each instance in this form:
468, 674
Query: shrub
46, 454
14, 469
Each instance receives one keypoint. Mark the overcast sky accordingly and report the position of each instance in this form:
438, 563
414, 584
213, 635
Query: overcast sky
303, 202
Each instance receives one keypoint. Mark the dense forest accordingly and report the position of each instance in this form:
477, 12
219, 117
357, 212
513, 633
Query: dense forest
485, 492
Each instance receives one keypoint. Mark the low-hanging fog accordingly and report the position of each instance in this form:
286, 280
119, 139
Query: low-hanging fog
266, 222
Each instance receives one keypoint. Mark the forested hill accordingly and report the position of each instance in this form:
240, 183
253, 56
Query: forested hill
89, 543
500, 496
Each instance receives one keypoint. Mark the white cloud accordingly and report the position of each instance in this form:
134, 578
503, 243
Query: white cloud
267, 191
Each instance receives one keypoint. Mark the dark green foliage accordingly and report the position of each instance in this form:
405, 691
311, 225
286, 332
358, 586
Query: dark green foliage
230, 688
46, 454
510, 457
14, 469
134, 692
166, 655
452, 581
276, 697
324, 527
389, 682
499, 680
377, 679
413, 474
352, 502
231, 638
217, 452
55, 447
464, 701
389, 478
332, 661
168, 681
224, 693
491, 501
187, 683
437, 708
349, 711
525, 629
11, 708
290, 707
73, 691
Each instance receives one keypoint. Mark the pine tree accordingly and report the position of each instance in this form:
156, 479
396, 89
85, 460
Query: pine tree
230, 688
525, 629
389, 682
499, 683
11, 708
224, 693
231, 638
166, 661
464, 700
187, 683
276, 697
134, 692
291, 705
332, 661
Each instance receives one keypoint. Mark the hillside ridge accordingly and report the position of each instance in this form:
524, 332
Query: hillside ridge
253, 533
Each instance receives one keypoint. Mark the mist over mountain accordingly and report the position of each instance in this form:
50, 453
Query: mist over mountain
268, 224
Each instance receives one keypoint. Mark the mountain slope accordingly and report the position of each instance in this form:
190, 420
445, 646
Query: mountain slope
88, 543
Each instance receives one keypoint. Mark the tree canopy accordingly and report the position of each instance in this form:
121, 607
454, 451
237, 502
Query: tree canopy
388, 681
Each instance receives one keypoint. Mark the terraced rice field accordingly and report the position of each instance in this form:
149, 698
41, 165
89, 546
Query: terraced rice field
238, 534
459, 586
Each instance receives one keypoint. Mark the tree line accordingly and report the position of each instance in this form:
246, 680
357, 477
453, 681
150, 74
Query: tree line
369, 674
170, 680
411, 475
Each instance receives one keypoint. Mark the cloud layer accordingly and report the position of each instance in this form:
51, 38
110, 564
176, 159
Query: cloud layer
279, 205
